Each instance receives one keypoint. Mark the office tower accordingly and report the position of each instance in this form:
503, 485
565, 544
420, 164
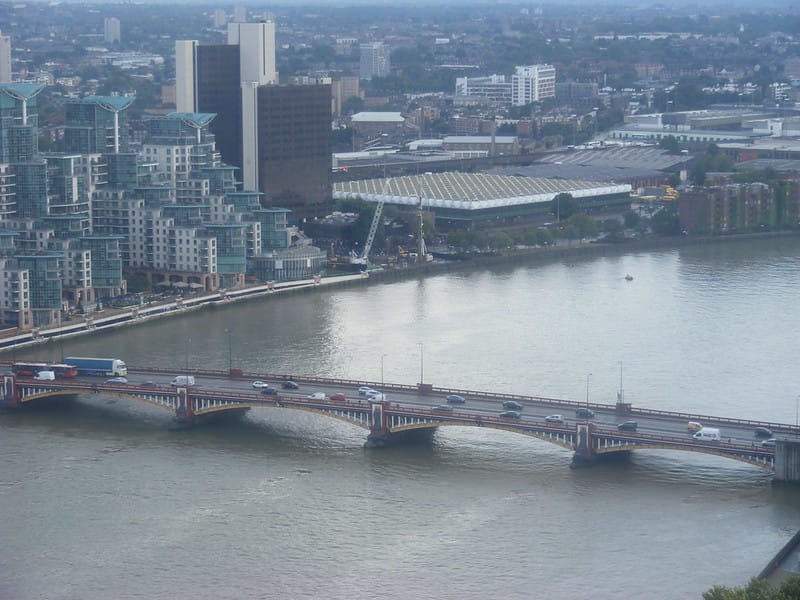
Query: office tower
374, 60
277, 135
294, 151
111, 30
240, 14
532, 83
5, 58
96, 124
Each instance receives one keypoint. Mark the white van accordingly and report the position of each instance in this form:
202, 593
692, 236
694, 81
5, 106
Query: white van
182, 381
45, 376
708, 434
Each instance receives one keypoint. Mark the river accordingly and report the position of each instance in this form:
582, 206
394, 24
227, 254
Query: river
100, 500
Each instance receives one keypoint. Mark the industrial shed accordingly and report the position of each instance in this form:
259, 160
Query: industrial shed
473, 199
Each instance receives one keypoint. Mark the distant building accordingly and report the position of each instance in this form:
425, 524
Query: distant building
533, 83
737, 208
5, 59
277, 135
374, 60
493, 89
111, 30
342, 89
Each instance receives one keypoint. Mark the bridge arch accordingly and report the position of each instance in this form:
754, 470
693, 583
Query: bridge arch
721, 452
562, 441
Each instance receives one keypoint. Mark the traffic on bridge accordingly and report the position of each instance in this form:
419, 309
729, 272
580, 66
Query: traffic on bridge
392, 413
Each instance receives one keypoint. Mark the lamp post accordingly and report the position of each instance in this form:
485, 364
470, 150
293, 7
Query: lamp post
588, 375
421, 380
230, 356
382, 357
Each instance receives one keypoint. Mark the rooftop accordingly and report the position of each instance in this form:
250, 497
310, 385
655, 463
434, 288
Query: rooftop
469, 191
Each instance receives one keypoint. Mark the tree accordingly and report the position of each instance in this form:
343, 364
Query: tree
632, 219
500, 240
670, 143
563, 206
757, 589
712, 161
352, 105
584, 225
665, 221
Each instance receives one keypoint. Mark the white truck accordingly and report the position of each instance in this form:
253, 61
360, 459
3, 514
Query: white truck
708, 434
182, 381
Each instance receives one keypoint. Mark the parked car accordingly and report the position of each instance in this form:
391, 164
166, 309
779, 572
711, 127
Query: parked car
584, 413
554, 419
512, 405
510, 414
443, 408
338, 397
762, 432
627, 426
289, 385
117, 380
455, 399
316, 396
364, 390
770, 443
258, 384
271, 391
694, 426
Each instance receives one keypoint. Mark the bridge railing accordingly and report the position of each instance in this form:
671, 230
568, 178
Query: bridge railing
522, 399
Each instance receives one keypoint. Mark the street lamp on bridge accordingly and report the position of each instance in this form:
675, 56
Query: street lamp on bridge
382, 357
588, 375
421, 380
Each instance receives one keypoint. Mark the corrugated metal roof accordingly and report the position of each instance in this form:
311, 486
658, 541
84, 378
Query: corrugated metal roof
469, 191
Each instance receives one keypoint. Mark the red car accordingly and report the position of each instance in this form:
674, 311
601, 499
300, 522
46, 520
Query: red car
338, 397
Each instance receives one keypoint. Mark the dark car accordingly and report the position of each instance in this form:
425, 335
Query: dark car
271, 391
585, 413
762, 432
289, 385
512, 405
455, 399
627, 426
510, 414
443, 408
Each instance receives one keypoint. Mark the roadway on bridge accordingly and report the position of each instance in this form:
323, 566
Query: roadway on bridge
533, 410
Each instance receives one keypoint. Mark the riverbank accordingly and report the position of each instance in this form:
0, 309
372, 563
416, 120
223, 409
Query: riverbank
114, 318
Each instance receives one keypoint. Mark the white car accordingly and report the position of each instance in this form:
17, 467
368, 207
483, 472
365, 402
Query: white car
258, 384
365, 391
117, 380
316, 396
376, 396
554, 419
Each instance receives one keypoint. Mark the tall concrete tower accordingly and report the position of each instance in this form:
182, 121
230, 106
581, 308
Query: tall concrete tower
111, 30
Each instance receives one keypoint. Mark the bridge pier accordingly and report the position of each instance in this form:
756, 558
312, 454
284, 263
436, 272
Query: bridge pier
10, 400
401, 437
787, 461
584, 449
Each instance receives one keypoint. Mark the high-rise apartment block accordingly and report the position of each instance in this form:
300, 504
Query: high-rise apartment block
5, 58
111, 30
374, 60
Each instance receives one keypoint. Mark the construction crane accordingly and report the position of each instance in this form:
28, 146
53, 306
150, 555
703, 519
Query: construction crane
373, 228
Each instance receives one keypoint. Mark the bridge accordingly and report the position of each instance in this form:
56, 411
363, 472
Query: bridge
413, 412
